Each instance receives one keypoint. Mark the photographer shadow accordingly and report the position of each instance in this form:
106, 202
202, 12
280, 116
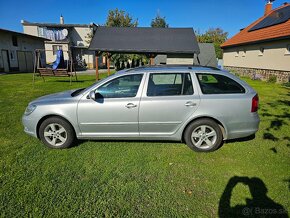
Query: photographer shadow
259, 206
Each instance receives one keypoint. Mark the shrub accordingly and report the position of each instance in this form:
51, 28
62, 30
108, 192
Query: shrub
272, 79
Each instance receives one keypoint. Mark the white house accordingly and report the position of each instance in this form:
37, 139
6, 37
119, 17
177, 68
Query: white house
263, 48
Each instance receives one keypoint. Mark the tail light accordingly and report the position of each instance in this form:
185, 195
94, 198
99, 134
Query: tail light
255, 103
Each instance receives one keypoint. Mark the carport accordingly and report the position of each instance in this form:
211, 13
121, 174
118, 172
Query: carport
143, 40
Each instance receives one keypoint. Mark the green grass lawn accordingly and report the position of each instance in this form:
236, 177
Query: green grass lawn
151, 179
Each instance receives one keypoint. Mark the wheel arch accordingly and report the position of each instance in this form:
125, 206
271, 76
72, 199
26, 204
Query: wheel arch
49, 116
221, 125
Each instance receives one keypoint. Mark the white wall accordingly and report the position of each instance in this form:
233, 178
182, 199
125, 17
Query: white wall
79, 34
275, 56
31, 30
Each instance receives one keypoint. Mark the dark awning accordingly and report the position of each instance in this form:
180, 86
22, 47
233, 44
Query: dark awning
145, 40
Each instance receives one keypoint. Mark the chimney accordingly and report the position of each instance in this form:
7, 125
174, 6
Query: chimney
268, 7
61, 20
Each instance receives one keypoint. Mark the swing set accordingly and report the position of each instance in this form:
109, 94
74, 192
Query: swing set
58, 68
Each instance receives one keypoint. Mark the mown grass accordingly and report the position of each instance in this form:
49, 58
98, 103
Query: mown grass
134, 179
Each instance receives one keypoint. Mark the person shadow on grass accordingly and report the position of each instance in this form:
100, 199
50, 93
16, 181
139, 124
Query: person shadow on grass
259, 206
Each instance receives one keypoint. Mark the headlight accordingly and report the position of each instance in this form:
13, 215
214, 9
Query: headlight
30, 109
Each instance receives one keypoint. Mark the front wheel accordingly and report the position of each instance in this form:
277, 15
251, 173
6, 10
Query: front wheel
203, 135
55, 132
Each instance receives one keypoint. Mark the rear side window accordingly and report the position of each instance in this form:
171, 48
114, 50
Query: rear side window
169, 84
218, 84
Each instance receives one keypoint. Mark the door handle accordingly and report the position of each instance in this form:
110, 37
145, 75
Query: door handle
190, 104
130, 105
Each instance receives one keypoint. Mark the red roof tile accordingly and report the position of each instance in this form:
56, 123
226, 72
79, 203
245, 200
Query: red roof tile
268, 33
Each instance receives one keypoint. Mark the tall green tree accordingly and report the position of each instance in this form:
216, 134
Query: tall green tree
119, 18
159, 22
217, 36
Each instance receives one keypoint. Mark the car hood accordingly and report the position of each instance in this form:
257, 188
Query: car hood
54, 97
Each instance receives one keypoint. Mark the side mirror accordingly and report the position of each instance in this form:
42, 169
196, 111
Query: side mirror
92, 95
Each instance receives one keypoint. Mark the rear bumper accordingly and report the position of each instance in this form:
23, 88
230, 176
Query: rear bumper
244, 128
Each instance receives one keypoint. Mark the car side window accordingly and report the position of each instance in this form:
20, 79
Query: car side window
218, 84
169, 84
121, 87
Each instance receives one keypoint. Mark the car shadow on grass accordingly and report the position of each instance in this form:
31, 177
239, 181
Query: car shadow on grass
244, 139
260, 205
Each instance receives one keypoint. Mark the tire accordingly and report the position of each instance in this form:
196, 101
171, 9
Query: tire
56, 132
203, 135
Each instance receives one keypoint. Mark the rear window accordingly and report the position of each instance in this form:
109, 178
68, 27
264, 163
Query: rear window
218, 84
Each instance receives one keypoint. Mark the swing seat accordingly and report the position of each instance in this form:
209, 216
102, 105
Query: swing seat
50, 72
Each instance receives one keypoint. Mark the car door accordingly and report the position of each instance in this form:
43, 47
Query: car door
115, 110
168, 100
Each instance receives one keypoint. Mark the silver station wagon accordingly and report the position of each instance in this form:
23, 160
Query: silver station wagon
197, 105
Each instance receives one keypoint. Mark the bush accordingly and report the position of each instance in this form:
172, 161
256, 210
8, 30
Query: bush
286, 84
272, 79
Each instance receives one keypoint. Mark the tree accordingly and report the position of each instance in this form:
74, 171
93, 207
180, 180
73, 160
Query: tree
118, 18
216, 36
159, 22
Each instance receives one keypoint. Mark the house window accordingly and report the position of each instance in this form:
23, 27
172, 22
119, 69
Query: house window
14, 41
55, 48
237, 53
261, 51
287, 50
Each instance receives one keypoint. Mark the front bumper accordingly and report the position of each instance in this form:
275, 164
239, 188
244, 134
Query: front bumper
29, 125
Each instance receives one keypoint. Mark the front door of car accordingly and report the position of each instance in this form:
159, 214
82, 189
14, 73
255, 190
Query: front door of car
168, 100
115, 110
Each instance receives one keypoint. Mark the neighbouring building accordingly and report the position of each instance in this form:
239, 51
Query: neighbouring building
68, 37
262, 50
17, 51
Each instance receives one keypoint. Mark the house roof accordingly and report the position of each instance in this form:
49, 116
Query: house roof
23, 34
273, 26
56, 25
146, 40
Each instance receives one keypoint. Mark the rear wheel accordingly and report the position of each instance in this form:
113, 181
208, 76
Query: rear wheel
203, 135
55, 132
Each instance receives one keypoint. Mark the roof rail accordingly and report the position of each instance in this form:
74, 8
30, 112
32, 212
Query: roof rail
172, 65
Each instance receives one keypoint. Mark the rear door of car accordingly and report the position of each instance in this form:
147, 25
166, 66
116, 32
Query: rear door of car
168, 100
